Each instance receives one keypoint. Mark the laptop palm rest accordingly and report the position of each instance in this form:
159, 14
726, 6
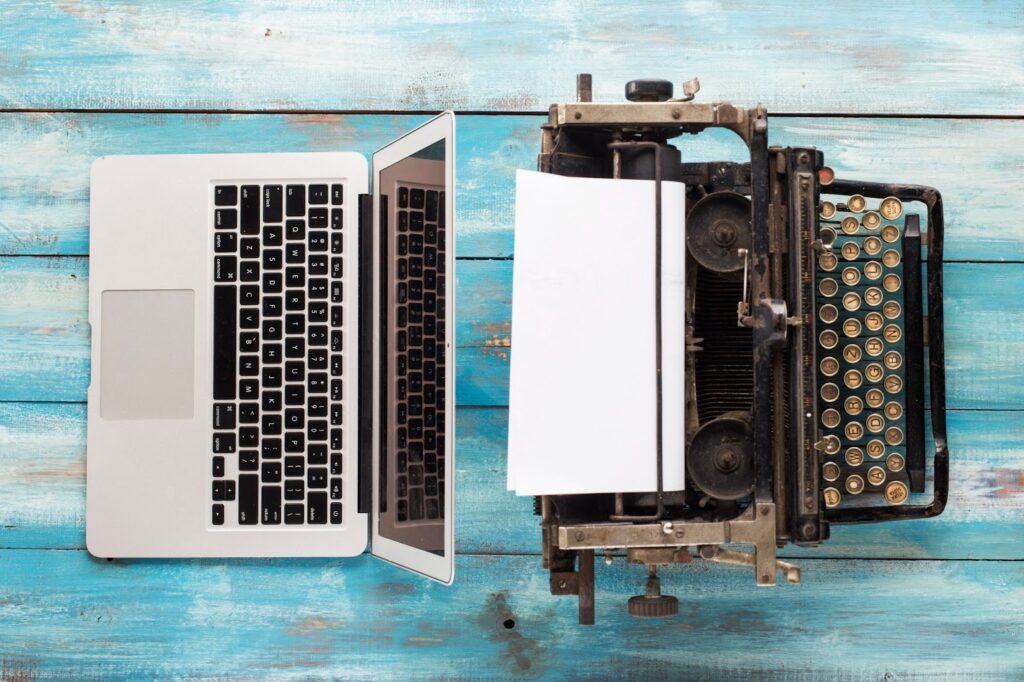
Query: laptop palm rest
147, 354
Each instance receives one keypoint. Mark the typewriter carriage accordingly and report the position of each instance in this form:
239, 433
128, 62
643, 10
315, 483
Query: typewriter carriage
752, 418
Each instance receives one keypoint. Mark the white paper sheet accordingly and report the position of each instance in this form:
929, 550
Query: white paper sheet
582, 399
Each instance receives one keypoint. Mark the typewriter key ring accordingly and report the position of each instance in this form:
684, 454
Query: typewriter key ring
856, 203
891, 208
871, 220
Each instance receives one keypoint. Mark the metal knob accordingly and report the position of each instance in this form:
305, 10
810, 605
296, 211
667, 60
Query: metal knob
649, 90
653, 604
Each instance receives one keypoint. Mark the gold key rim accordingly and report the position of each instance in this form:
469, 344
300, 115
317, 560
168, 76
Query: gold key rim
893, 383
851, 327
829, 366
830, 471
891, 208
827, 210
850, 276
871, 220
890, 233
891, 258
853, 405
832, 497
854, 484
872, 270
892, 309
875, 448
896, 492
874, 398
828, 287
873, 321
828, 339
854, 456
849, 225
895, 462
828, 262
856, 203
876, 475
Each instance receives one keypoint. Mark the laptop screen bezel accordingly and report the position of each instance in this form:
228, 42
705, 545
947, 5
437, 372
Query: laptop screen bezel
440, 568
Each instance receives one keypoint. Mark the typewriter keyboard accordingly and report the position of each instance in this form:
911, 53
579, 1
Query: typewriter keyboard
861, 369
419, 353
278, 354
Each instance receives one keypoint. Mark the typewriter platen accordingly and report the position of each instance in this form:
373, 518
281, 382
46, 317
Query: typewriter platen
814, 305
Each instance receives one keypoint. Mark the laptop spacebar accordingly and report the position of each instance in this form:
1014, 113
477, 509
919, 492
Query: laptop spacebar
225, 320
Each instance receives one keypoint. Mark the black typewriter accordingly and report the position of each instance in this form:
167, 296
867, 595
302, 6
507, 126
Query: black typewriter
811, 319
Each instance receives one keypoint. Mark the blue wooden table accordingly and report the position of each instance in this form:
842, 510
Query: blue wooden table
909, 91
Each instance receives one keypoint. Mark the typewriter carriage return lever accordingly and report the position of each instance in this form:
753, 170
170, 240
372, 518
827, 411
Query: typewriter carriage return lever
806, 342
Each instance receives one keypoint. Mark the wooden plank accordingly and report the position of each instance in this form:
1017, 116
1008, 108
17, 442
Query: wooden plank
63, 614
870, 56
44, 336
977, 165
42, 488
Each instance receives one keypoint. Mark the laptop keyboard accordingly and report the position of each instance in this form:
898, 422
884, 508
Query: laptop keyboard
277, 354
419, 355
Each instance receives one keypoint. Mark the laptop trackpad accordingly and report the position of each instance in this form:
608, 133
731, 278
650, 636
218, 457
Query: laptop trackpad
147, 349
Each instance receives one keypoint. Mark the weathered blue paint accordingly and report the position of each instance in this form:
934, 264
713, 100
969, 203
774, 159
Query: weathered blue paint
854, 57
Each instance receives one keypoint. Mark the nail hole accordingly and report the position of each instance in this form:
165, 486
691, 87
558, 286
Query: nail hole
509, 623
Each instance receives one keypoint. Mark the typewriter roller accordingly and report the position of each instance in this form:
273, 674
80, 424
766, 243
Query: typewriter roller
810, 317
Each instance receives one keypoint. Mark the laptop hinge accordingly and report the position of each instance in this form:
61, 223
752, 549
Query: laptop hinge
365, 350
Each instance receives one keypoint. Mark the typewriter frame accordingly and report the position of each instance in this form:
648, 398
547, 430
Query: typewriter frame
777, 512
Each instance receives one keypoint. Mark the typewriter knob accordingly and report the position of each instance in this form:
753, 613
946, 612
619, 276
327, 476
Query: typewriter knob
653, 604
649, 90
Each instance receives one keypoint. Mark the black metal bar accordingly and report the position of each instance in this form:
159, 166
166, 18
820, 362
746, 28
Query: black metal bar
931, 198
585, 584
914, 352
382, 306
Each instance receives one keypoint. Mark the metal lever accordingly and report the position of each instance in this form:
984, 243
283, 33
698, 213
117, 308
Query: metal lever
736, 558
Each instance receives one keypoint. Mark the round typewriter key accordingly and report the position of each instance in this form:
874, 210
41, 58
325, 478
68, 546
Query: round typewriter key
891, 309
873, 397
828, 287
875, 448
853, 378
891, 208
830, 471
856, 203
851, 276
895, 462
893, 383
827, 235
829, 392
872, 270
828, 313
828, 339
832, 497
851, 301
830, 418
854, 430
853, 405
891, 258
829, 366
850, 250
854, 484
872, 245
894, 435
826, 175
854, 456
876, 475
851, 327
891, 283
831, 445
828, 262
849, 225
873, 346
871, 220
873, 295
873, 321
890, 233
851, 353
873, 372
892, 333
896, 492
828, 209
893, 360
875, 423
893, 410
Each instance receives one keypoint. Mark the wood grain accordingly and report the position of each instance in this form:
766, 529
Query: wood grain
42, 487
64, 614
977, 165
852, 57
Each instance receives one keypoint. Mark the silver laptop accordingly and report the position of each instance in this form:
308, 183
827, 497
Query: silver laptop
273, 354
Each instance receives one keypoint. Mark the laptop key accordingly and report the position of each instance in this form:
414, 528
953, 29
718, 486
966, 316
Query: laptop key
225, 242
249, 210
295, 489
294, 514
317, 195
316, 509
295, 200
337, 195
248, 499
218, 515
272, 203
336, 513
271, 505
223, 442
225, 195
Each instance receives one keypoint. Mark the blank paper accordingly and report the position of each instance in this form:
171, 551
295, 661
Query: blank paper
582, 415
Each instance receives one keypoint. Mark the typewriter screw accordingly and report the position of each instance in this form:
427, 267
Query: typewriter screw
895, 462
872, 220
891, 208
890, 233
876, 475
832, 497
896, 492
891, 258
854, 484
856, 203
